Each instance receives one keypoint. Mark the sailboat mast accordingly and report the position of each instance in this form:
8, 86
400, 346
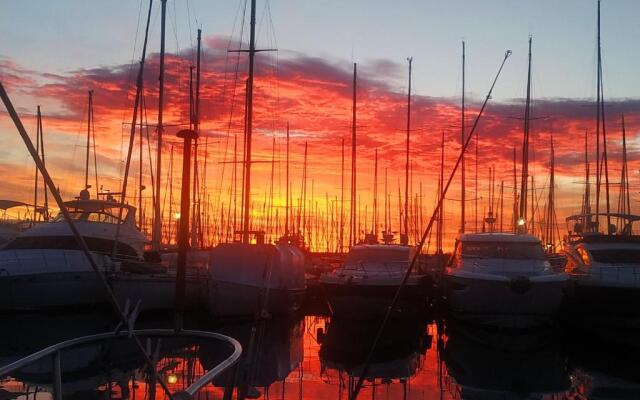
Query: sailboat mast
341, 246
286, 207
525, 148
353, 236
89, 116
440, 233
157, 217
195, 118
462, 165
598, 77
247, 161
406, 171
35, 188
374, 225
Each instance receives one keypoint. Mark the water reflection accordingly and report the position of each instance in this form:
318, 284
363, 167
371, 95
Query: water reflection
321, 358
345, 346
492, 364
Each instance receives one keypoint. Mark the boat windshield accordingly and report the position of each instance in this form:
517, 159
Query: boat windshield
504, 250
390, 256
616, 256
105, 215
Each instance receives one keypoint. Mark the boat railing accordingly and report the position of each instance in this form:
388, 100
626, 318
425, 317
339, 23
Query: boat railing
55, 351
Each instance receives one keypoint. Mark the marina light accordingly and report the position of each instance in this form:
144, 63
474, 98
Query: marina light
521, 222
176, 215
172, 378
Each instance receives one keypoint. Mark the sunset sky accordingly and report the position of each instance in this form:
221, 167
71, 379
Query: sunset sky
52, 53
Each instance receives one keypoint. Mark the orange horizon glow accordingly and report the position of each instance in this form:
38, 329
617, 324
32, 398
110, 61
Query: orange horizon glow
314, 97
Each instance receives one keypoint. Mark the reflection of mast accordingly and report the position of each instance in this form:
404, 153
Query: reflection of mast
406, 171
525, 150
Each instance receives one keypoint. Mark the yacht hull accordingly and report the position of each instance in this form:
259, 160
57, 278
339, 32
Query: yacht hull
363, 301
233, 299
48, 279
504, 302
157, 292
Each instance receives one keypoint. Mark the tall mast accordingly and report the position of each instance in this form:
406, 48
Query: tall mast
157, 217
624, 202
440, 233
247, 161
551, 212
286, 207
341, 240
35, 188
605, 159
386, 203
353, 236
406, 171
525, 148
195, 118
463, 180
514, 222
89, 118
374, 225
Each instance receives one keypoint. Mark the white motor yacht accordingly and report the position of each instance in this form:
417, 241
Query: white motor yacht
365, 285
44, 267
502, 279
605, 268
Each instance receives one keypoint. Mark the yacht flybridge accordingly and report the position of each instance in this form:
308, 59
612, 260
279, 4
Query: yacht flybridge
502, 279
605, 267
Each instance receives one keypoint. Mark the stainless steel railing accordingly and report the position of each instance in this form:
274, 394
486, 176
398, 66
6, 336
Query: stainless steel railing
55, 350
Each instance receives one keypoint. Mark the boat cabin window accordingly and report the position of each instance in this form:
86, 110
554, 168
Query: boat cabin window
104, 215
616, 256
505, 250
98, 245
388, 257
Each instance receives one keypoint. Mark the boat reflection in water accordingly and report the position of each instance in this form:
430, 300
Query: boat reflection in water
345, 345
272, 349
493, 365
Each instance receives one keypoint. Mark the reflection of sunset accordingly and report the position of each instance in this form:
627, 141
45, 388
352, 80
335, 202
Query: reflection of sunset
313, 95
